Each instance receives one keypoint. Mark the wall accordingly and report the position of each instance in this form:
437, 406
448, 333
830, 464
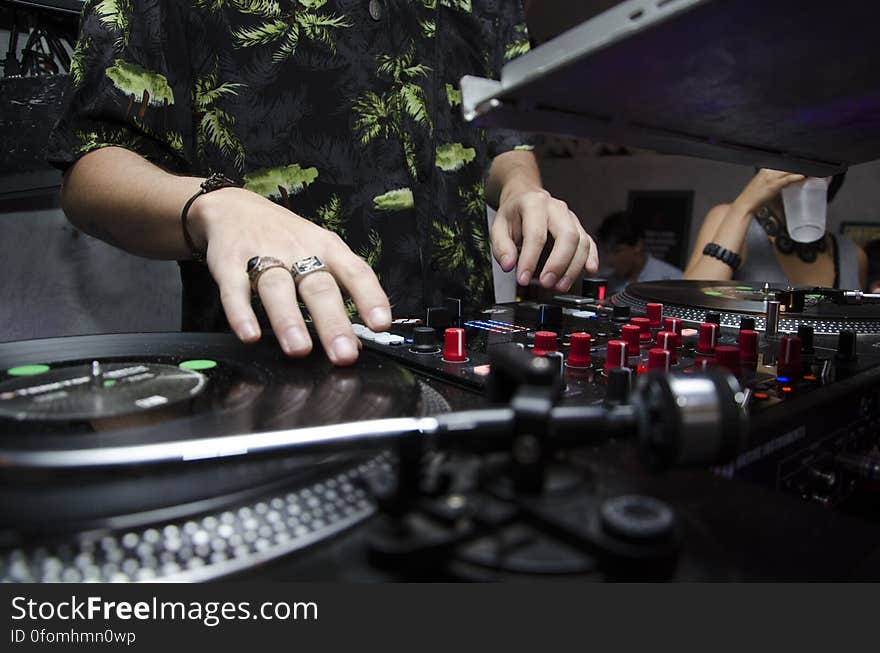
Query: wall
597, 186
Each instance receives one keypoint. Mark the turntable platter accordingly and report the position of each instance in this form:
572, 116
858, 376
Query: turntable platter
689, 300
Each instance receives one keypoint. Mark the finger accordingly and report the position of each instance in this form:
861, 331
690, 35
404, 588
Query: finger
578, 262
566, 240
321, 294
534, 236
235, 296
364, 289
503, 246
592, 265
278, 295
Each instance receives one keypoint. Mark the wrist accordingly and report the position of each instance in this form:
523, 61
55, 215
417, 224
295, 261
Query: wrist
201, 209
518, 184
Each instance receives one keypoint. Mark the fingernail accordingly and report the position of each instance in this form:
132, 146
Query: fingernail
564, 283
506, 260
294, 340
380, 317
248, 331
548, 279
344, 349
524, 277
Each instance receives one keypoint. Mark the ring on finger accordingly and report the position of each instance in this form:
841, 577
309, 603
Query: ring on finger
306, 266
257, 265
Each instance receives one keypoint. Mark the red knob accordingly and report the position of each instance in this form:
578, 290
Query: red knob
453, 346
748, 346
672, 324
544, 341
790, 357
708, 338
655, 314
644, 325
631, 335
579, 351
659, 359
728, 358
669, 341
615, 355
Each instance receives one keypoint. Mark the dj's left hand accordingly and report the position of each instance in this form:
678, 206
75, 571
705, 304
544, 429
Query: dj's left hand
526, 214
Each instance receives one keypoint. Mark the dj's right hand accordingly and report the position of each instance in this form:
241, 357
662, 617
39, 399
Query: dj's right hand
233, 225
763, 187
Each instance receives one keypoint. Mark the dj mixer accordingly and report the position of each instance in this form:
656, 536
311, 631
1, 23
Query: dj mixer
634, 437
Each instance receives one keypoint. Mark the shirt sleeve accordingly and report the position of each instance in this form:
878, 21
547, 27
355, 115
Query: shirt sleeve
510, 40
129, 85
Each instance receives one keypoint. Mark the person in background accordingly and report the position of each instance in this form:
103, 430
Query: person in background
872, 252
748, 240
622, 243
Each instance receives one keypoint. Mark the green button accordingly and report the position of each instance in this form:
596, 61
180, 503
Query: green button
198, 364
27, 370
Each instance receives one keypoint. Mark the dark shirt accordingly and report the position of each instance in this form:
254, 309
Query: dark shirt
348, 117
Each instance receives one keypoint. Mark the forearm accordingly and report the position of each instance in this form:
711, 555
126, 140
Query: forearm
730, 234
120, 197
512, 172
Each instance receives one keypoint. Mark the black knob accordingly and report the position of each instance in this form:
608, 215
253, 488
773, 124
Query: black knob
747, 324
714, 318
805, 333
619, 384
549, 315
437, 317
425, 340
621, 314
846, 347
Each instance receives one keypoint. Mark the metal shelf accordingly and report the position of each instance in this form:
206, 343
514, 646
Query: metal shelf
790, 84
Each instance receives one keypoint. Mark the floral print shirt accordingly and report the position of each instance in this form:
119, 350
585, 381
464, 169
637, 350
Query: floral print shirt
345, 111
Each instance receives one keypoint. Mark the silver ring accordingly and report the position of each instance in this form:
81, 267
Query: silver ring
306, 266
257, 265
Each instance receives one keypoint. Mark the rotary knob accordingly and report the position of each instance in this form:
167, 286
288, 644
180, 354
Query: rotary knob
670, 342
615, 355
655, 314
728, 358
748, 347
454, 345
673, 324
659, 359
631, 335
708, 338
424, 340
544, 341
644, 325
579, 351
789, 364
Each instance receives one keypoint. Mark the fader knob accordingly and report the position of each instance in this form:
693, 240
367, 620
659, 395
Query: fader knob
544, 341
631, 335
805, 333
713, 317
424, 340
615, 355
846, 347
708, 338
549, 315
747, 324
619, 384
579, 351
644, 325
454, 346
789, 363
655, 314
748, 346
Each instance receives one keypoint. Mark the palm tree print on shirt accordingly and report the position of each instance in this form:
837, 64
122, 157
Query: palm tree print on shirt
115, 16
280, 183
215, 126
141, 86
383, 115
286, 21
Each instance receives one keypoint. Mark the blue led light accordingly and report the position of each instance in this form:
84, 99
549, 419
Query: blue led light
782, 379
